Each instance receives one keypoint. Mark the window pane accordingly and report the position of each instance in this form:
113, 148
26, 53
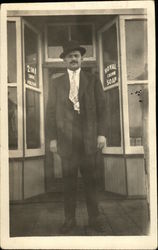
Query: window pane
12, 118
31, 57
138, 103
56, 35
12, 60
112, 110
32, 119
136, 49
110, 57
83, 34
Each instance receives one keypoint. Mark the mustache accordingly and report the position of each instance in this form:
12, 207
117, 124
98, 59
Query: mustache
73, 61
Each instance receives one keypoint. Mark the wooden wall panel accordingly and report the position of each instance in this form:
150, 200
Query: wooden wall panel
34, 179
15, 180
115, 179
136, 176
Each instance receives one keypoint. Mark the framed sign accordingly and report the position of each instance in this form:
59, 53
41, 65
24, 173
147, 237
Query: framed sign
110, 74
31, 75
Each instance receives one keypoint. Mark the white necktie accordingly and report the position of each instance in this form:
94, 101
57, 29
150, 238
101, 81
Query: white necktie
73, 94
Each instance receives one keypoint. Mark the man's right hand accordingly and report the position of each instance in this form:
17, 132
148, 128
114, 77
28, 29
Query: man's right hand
53, 146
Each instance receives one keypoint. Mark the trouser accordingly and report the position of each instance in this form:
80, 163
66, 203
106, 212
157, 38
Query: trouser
87, 166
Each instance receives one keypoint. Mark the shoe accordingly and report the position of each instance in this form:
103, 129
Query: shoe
98, 223
68, 226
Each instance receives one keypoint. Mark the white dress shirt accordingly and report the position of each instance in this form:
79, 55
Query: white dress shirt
77, 76
74, 77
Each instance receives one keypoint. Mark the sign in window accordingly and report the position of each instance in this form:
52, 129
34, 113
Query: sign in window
31, 58
110, 56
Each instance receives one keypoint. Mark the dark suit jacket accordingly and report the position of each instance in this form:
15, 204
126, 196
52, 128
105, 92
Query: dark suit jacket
60, 112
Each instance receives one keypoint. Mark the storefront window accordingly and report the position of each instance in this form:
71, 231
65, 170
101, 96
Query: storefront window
31, 58
137, 70
112, 111
32, 119
136, 49
12, 118
57, 34
110, 56
12, 59
137, 102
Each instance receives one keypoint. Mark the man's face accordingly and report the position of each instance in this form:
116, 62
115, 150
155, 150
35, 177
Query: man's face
73, 60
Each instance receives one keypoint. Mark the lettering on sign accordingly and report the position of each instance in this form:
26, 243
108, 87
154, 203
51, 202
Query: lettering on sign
110, 75
31, 75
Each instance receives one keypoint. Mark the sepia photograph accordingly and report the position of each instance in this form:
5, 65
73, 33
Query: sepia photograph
78, 130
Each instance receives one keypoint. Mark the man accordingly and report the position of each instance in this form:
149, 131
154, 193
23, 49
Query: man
76, 129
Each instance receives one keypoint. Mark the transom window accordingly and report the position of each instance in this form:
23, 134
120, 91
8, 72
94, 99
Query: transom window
57, 34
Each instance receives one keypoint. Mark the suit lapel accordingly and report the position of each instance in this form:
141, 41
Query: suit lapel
83, 84
66, 84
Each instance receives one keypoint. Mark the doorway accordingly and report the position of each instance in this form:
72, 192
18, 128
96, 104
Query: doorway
81, 28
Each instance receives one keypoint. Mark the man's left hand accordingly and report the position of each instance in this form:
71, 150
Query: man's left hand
101, 141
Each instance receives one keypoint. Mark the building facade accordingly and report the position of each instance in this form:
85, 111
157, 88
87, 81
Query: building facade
116, 43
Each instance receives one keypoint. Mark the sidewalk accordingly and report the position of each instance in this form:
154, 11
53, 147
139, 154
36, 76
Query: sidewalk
44, 215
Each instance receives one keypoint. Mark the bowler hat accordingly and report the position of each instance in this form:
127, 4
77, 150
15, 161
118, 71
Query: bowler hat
71, 46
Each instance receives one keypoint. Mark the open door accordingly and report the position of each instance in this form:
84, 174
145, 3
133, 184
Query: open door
33, 113
109, 65
33, 91
109, 54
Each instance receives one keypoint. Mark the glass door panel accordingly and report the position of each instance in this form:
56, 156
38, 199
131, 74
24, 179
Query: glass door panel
109, 75
32, 119
112, 111
33, 92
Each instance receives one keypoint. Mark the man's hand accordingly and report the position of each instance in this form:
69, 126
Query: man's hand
53, 146
101, 141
